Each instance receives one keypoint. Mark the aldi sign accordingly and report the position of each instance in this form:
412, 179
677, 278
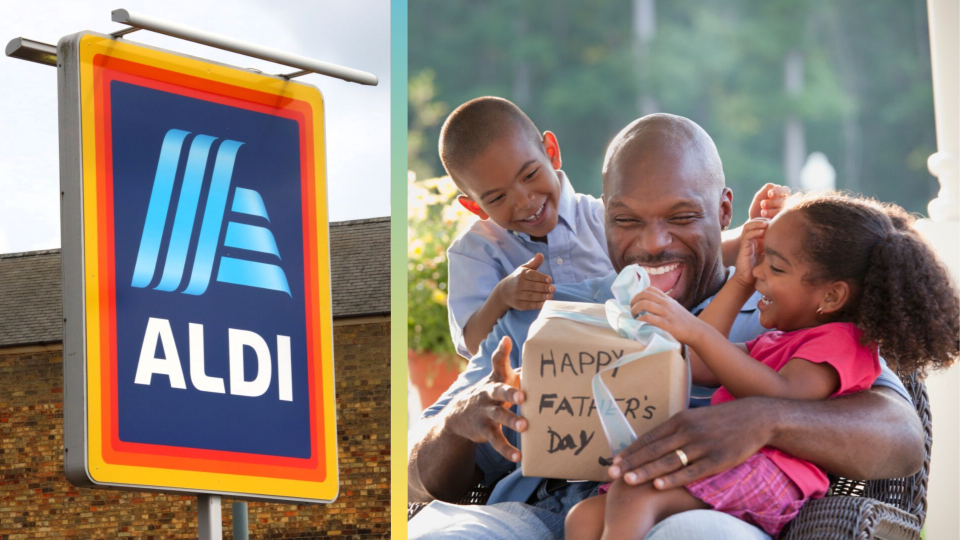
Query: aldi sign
198, 338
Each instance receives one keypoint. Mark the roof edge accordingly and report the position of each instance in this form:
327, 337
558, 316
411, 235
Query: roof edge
361, 315
52, 251
348, 223
36, 253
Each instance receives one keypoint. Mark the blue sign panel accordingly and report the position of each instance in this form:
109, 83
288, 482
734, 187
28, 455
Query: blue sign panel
219, 265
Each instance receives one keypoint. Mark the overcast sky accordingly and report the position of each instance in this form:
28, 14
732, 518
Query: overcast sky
355, 34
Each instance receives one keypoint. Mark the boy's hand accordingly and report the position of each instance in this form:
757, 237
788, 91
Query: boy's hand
665, 313
526, 288
751, 251
768, 202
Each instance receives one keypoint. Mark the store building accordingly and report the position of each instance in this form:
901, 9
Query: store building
36, 501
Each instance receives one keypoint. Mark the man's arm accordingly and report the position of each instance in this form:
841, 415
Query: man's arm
441, 465
442, 462
864, 436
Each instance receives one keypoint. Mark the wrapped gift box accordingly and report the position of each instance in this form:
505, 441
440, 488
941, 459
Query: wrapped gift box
565, 438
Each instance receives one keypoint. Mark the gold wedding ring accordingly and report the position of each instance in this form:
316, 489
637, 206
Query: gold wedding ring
682, 456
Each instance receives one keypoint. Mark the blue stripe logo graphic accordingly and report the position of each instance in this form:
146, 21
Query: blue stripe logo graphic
239, 235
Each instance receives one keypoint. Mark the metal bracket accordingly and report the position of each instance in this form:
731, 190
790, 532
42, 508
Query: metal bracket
43, 53
304, 64
32, 51
123, 32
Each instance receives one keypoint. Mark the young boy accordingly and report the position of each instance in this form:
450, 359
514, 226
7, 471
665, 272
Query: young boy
535, 231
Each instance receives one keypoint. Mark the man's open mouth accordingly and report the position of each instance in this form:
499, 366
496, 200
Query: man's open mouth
665, 277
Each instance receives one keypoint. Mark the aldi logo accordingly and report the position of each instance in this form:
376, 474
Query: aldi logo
239, 235
202, 330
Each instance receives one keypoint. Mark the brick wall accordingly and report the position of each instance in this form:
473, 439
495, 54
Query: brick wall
36, 501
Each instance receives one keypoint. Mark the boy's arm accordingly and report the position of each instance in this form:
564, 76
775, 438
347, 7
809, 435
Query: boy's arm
480, 324
524, 289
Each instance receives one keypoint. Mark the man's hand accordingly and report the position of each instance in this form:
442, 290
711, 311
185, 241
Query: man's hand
478, 414
713, 439
768, 202
660, 310
526, 288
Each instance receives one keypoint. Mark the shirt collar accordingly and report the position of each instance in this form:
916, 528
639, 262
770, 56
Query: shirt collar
566, 208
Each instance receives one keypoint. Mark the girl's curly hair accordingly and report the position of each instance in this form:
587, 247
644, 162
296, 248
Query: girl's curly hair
902, 296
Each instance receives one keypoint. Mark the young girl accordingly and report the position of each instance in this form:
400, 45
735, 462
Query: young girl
839, 276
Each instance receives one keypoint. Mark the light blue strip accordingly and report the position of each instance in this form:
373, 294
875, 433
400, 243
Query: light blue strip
248, 201
186, 213
252, 274
213, 217
250, 237
157, 208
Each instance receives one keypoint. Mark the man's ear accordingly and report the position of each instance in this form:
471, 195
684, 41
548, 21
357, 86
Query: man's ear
472, 206
726, 208
835, 297
552, 147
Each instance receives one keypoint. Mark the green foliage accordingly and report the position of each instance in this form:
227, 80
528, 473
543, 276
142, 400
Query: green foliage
434, 219
577, 69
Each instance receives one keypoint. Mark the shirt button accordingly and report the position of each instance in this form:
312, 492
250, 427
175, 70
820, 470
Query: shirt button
559, 261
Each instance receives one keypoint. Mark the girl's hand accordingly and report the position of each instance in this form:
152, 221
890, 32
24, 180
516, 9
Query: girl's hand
751, 251
664, 312
768, 202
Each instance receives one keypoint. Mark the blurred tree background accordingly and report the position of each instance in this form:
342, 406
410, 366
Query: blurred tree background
772, 82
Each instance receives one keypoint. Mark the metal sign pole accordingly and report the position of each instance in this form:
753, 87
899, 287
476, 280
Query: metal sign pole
209, 518
240, 526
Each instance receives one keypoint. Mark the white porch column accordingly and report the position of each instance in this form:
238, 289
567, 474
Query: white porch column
943, 231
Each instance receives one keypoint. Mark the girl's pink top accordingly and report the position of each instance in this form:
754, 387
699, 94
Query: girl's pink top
837, 344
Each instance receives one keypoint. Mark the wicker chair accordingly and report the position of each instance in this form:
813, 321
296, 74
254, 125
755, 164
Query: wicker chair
890, 509
477, 495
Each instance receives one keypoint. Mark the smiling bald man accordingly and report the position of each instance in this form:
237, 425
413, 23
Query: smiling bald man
666, 205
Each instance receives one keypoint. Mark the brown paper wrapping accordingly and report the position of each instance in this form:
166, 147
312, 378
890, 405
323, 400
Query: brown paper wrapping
565, 438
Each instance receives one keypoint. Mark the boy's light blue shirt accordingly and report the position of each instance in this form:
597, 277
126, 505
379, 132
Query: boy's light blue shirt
484, 254
515, 324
